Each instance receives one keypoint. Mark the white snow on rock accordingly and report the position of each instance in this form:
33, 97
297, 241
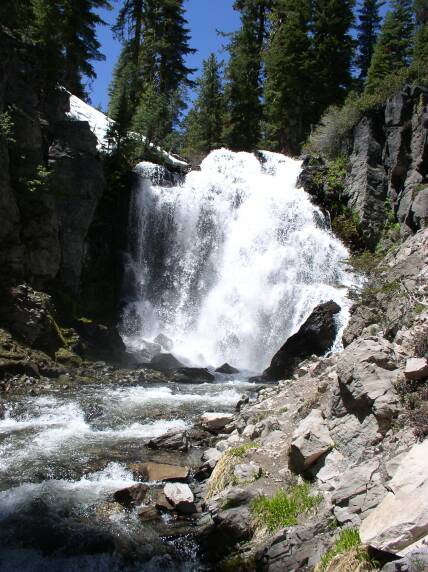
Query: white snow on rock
100, 123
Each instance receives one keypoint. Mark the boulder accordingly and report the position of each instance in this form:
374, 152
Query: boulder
237, 497
226, 368
100, 341
181, 497
211, 457
247, 472
130, 496
416, 369
192, 375
164, 341
367, 374
161, 502
173, 440
151, 471
165, 362
401, 519
316, 336
310, 441
215, 422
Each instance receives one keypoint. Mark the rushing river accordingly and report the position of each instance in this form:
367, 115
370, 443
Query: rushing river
228, 263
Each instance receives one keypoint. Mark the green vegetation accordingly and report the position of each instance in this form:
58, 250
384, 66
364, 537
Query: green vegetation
7, 126
284, 508
40, 183
368, 28
348, 543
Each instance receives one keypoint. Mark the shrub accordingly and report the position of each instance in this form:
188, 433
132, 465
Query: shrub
284, 508
349, 544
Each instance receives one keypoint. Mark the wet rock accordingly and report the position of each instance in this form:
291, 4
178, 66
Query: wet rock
231, 526
192, 375
100, 342
181, 497
226, 368
216, 422
210, 459
161, 502
310, 441
68, 358
173, 440
165, 362
164, 341
147, 513
3, 410
247, 472
416, 369
401, 518
131, 496
151, 471
316, 336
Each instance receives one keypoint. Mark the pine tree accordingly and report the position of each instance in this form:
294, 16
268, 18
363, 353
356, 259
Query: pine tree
287, 88
204, 122
394, 46
244, 77
333, 49
420, 53
80, 43
152, 64
46, 31
15, 15
368, 28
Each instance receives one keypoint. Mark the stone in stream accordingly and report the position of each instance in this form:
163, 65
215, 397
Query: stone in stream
165, 362
150, 471
173, 440
181, 497
192, 375
147, 512
216, 422
164, 341
132, 495
316, 336
227, 368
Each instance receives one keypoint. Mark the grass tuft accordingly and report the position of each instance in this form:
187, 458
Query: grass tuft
284, 508
222, 475
346, 555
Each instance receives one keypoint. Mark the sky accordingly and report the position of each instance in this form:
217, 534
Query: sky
204, 16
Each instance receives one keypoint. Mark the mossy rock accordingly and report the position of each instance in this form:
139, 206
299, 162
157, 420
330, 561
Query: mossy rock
68, 358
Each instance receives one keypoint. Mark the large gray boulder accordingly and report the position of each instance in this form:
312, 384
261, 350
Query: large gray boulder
367, 373
401, 519
316, 336
310, 441
181, 497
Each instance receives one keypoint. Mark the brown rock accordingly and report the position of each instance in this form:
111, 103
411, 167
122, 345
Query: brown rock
416, 369
150, 471
148, 513
132, 495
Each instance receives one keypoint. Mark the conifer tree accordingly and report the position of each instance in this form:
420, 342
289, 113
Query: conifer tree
81, 47
333, 49
287, 90
368, 28
204, 122
46, 31
420, 54
394, 46
15, 14
244, 77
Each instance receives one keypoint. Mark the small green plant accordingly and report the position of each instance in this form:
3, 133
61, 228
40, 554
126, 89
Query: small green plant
7, 126
348, 542
242, 450
41, 181
284, 508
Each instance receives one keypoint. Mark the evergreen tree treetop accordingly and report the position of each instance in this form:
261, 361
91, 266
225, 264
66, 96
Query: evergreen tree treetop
368, 28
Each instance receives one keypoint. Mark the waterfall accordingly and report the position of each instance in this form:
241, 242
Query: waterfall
230, 261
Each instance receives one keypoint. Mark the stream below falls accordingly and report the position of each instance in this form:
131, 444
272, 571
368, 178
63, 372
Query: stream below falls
63, 455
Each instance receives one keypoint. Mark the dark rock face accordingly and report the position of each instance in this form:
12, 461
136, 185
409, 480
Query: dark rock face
100, 342
44, 219
316, 336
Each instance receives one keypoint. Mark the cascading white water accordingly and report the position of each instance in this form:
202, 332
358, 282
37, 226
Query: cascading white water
230, 262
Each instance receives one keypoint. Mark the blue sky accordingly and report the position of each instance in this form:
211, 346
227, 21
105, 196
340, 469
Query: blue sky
204, 16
